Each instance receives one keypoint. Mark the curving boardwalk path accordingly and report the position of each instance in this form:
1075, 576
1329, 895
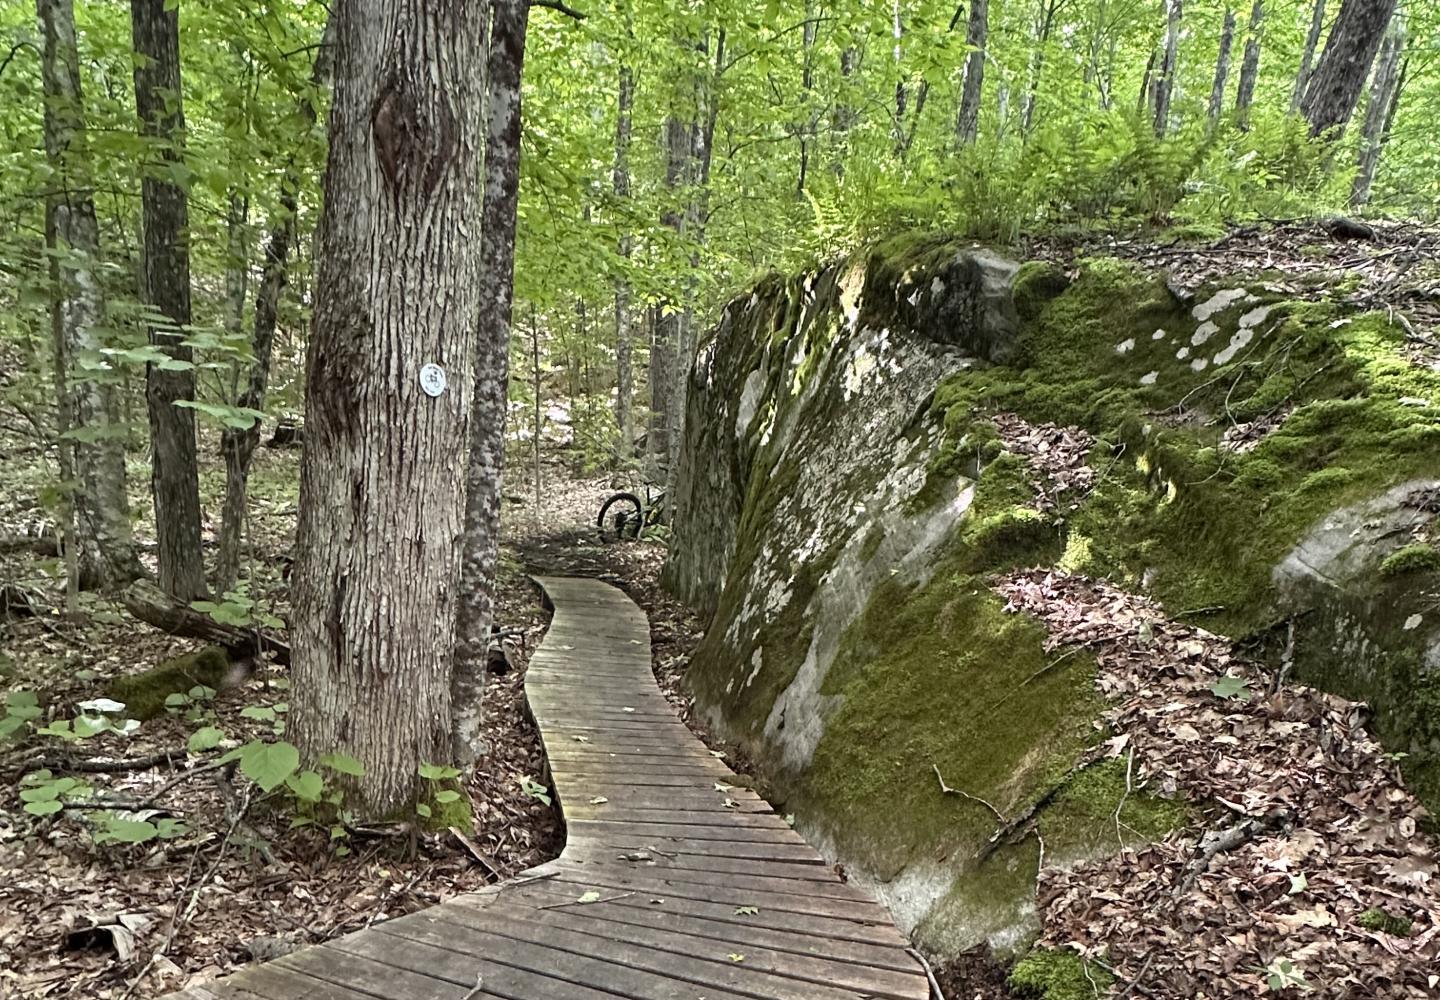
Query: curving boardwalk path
672, 885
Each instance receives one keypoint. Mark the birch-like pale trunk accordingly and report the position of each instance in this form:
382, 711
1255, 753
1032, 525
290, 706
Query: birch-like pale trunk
967, 121
1169, 62
1307, 55
484, 469
174, 477
382, 509
624, 372
1250, 66
1384, 98
237, 445
669, 331
1222, 67
1334, 90
92, 444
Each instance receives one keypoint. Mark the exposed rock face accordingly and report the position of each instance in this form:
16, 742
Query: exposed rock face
1365, 632
868, 446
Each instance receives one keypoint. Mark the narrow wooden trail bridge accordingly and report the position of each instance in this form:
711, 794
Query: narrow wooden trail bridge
673, 885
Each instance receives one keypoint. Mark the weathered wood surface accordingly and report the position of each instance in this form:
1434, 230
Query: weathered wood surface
674, 866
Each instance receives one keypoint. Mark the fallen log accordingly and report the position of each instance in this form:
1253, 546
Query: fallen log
153, 606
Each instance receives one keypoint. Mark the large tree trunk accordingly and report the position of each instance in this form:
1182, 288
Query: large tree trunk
967, 121
1307, 55
94, 448
1250, 68
1165, 79
382, 511
1222, 66
1334, 90
624, 375
1384, 98
481, 541
238, 445
174, 478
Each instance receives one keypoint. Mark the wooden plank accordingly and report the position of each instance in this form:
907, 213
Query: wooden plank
605, 970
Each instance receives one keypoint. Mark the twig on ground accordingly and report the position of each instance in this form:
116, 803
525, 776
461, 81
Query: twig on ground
1129, 787
585, 902
947, 790
935, 989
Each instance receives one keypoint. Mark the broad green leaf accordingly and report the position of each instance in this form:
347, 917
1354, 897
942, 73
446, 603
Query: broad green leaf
438, 772
343, 763
207, 738
306, 785
269, 764
1231, 687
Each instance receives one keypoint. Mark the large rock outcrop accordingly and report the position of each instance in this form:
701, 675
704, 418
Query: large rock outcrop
866, 448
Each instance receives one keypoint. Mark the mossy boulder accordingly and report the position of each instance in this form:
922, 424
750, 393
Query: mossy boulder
144, 693
844, 500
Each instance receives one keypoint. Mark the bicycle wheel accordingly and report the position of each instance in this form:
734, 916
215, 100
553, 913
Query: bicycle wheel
620, 517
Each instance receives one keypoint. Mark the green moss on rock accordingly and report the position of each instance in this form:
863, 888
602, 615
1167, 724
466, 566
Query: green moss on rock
144, 693
1418, 558
1047, 974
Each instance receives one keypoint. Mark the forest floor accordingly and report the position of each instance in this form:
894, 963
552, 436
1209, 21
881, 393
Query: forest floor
234, 884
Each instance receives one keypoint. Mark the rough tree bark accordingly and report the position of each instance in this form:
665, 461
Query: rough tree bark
382, 511
94, 451
238, 445
967, 121
1380, 114
1250, 67
1307, 55
174, 478
1165, 79
624, 376
1334, 90
1222, 66
481, 541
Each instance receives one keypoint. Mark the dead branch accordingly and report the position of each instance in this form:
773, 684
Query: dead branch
947, 790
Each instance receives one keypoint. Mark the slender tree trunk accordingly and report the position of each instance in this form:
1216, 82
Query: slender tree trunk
967, 122
1250, 67
1045, 23
238, 445
1222, 67
624, 376
481, 541
92, 442
1334, 90
535, 376
237, 262
901, 94
1165, 80
1307, 55
1384, 98
1147, 87
845, 114
174, 476
669, 329
382, 512
805, 130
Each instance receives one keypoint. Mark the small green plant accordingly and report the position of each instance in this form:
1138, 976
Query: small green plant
21, 710
237, 608
44, 794
534, 789
1283, 974
441, 797
194, 704
273, 714
1376, 919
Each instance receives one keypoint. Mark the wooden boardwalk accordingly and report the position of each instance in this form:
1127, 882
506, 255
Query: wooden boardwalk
673, 884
